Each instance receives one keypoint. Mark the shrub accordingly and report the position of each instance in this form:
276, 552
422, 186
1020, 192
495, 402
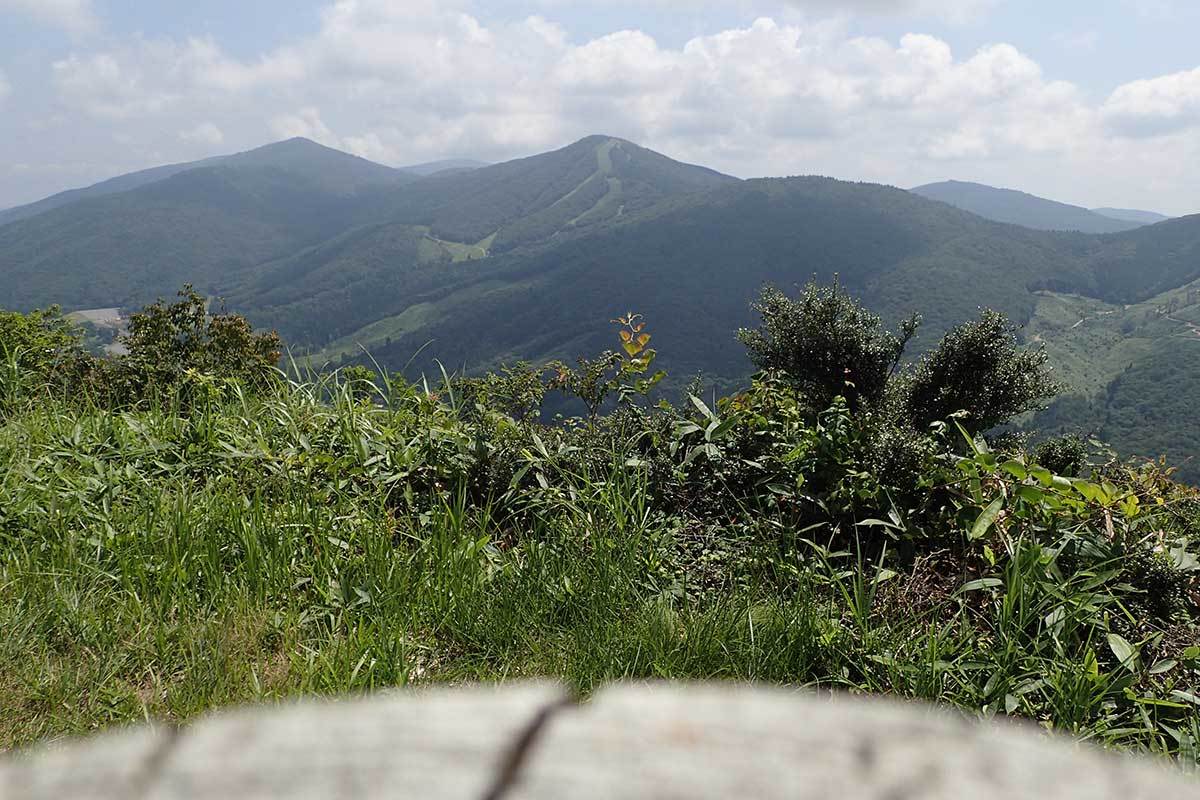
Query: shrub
166, 342
1062, 455
826, 344
39, 350
978, 368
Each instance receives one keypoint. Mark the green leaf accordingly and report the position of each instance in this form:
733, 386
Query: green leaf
1031, 494
699, 404
1016, 469
986, 519
1166, 665
982, 583
1044, 476
1188, 696
1124, 651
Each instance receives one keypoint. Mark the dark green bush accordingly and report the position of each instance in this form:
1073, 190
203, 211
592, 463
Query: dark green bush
1063, 455
978, 368
167, 342
826, 344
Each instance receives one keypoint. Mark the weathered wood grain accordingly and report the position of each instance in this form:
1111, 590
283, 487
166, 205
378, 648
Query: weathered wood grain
722, 742
629, 742
440, 744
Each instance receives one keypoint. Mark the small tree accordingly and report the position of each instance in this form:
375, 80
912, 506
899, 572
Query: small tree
38, 339
165, 341
37, 349
826, 344
980, 369
628, 374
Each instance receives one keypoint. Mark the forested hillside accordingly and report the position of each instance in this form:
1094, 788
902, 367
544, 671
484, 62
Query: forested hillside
471, 267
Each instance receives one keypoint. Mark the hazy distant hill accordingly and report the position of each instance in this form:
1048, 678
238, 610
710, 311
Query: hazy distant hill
345, 171
1019, 208
434, 167
1132, 215
122, 183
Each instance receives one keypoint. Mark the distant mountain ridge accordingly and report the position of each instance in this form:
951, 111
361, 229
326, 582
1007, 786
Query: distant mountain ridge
288, 154
1020, 208
445, 165
1132, 215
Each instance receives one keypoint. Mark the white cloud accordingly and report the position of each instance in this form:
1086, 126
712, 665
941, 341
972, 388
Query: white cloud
953, 10
205, 133
402, 83
307, 123
1156, 106
76, 17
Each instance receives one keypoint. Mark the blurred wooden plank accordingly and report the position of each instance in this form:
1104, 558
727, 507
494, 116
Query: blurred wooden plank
630, 742
714, 742
436, 744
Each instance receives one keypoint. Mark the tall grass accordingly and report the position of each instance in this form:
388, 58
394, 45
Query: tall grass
161, 562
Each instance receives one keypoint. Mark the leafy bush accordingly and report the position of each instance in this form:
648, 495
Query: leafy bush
167, 342
1062, 455
41, 354
826, 343
978, 368
37, 342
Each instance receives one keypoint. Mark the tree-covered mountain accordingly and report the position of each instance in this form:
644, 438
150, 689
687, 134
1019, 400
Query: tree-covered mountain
206, 225
302, 155
1019, 208
693, 265
531, 259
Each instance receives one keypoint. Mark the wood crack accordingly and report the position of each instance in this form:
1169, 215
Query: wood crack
517, 755
153, 767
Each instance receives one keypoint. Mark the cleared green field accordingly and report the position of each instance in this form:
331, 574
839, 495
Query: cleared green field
1091, 342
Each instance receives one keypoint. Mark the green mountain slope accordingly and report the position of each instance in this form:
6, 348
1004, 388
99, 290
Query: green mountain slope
451, 231
328, 166
121, 183
594, 180
693, 265
1132, 372
1019, 208
205, 225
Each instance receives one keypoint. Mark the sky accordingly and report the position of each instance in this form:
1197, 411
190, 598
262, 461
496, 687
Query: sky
1093, 102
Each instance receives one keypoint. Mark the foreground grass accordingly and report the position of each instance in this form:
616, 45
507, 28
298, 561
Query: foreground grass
162, 563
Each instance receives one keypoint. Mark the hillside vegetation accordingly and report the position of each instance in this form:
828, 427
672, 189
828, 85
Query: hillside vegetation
182, 527
358, 263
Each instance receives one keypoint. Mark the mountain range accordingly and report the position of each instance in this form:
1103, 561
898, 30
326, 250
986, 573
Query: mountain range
470, 265
1030, 211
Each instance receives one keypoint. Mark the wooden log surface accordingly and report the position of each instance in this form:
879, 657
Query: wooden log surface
663, 742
